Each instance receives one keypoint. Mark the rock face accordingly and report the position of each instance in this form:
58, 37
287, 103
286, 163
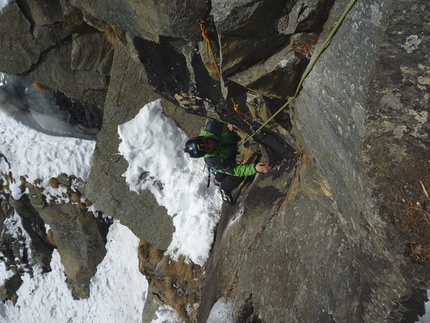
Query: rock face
355, 207
338, 231
42, 38
140, 212
149, 19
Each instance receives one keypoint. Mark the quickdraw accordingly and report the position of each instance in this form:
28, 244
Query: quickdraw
241, 115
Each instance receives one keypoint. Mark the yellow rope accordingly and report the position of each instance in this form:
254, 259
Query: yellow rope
205, 36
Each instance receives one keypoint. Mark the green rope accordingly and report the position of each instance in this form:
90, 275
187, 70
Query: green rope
309, 67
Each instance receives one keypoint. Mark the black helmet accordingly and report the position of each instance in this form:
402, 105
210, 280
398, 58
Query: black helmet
195, 147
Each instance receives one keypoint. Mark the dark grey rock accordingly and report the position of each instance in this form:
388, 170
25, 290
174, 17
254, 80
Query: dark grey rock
245, 31
17, 41
55, 72
89, 52
273, 77
303, 16
106, 186
41, 250
39, 29
361, 121
35, 28
79, 237
2, 215
9, 288
149, 19
43, 12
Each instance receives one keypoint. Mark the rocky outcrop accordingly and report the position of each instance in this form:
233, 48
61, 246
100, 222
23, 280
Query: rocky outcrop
51, 221
16, 230
172, 282
77, 234
338, 230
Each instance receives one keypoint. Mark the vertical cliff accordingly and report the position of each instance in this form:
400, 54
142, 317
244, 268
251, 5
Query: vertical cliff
338, 231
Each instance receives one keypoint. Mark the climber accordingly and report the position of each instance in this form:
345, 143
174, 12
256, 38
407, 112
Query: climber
217, 144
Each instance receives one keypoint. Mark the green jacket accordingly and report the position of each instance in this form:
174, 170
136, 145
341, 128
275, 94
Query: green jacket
223, 159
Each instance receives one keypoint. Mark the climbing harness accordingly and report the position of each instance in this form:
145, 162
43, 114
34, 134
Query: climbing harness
309, 67
203, 27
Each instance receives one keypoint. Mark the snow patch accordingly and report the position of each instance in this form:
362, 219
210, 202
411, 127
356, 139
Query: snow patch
118, 290
157, 163
221, 312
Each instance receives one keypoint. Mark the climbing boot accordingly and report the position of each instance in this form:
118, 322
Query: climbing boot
226, 197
